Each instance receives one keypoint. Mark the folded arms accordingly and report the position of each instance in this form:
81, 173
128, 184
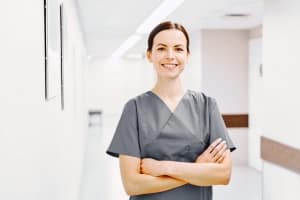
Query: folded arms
145, 176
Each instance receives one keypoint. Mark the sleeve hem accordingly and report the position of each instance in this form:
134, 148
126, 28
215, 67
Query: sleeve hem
116, 155
232, 149
112, 154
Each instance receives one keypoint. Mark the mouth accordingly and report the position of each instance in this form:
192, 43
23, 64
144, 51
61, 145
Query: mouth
170, 65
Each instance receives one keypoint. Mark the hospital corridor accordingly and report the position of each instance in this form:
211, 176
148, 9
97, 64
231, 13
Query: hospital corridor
183, 90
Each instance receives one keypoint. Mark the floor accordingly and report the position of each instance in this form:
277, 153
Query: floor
101, 176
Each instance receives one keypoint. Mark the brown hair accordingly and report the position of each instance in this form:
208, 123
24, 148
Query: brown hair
166, 26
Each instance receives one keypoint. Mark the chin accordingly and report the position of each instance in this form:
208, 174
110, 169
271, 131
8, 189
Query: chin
170, 76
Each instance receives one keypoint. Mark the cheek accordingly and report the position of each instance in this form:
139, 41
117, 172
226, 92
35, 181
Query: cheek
157, 58
156, 66
183, 59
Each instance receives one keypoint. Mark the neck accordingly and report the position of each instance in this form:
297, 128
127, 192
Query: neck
169, 87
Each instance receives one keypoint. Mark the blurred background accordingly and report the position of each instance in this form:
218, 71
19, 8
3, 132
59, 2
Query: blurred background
68, 67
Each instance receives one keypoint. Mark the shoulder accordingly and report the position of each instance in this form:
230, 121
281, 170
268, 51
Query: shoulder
143, 96
130, 106
144, 100
132, 102
201, 98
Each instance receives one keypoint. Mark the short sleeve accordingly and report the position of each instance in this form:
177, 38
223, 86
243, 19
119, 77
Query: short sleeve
125, 139
217, 125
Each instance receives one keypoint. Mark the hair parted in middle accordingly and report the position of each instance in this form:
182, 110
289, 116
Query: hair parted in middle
167, 26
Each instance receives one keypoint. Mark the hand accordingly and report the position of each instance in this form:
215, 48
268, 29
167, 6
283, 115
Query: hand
151, 167
215, 153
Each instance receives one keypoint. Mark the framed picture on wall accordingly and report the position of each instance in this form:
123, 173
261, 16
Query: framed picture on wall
53, 50
62, 94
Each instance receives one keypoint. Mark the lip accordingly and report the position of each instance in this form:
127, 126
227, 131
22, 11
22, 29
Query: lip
169, 65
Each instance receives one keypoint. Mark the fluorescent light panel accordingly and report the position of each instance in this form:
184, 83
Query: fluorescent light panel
125, 46
159, 14
135, 56
164, 10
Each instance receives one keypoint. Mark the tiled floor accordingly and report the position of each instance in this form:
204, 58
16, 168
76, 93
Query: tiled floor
101, 176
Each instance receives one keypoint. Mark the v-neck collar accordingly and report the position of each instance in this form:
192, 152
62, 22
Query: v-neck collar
165, 104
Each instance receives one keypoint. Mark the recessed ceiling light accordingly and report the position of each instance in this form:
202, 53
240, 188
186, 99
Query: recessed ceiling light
238, 15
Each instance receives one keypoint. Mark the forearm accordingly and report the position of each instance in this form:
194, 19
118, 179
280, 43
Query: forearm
146, 184
136, 183
201, 174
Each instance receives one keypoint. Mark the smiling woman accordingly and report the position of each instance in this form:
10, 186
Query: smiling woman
169, 53
172, 142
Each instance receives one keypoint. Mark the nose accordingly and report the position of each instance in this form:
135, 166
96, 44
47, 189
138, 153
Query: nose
170, 54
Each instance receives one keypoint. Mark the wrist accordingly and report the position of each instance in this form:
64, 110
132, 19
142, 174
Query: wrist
166, 167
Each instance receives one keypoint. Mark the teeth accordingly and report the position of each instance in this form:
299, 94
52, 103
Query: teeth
169, 65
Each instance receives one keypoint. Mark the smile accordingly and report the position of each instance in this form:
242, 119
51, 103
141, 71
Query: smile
169, 65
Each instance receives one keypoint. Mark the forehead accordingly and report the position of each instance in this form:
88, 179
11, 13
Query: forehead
170, 37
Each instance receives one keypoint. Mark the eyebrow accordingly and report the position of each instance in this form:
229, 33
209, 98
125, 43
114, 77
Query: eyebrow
177, 45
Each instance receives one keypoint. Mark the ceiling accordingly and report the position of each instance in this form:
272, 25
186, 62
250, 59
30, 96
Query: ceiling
108, 23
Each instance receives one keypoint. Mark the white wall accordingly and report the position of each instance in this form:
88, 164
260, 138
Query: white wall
41, 147
281, 47
225, 77
192, 77
256, 108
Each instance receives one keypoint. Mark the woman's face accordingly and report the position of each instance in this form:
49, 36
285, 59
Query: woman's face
169, 53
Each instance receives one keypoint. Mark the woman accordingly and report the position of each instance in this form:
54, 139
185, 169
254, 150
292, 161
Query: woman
171, 142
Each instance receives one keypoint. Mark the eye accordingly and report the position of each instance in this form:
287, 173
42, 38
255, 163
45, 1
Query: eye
160, 48
179, 49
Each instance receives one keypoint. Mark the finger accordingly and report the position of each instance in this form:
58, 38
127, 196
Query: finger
222, 157
214, 144
219, 147
221, 153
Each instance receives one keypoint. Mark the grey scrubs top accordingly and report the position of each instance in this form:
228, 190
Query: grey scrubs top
149, 129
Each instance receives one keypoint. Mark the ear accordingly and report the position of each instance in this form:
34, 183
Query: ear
149, 56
